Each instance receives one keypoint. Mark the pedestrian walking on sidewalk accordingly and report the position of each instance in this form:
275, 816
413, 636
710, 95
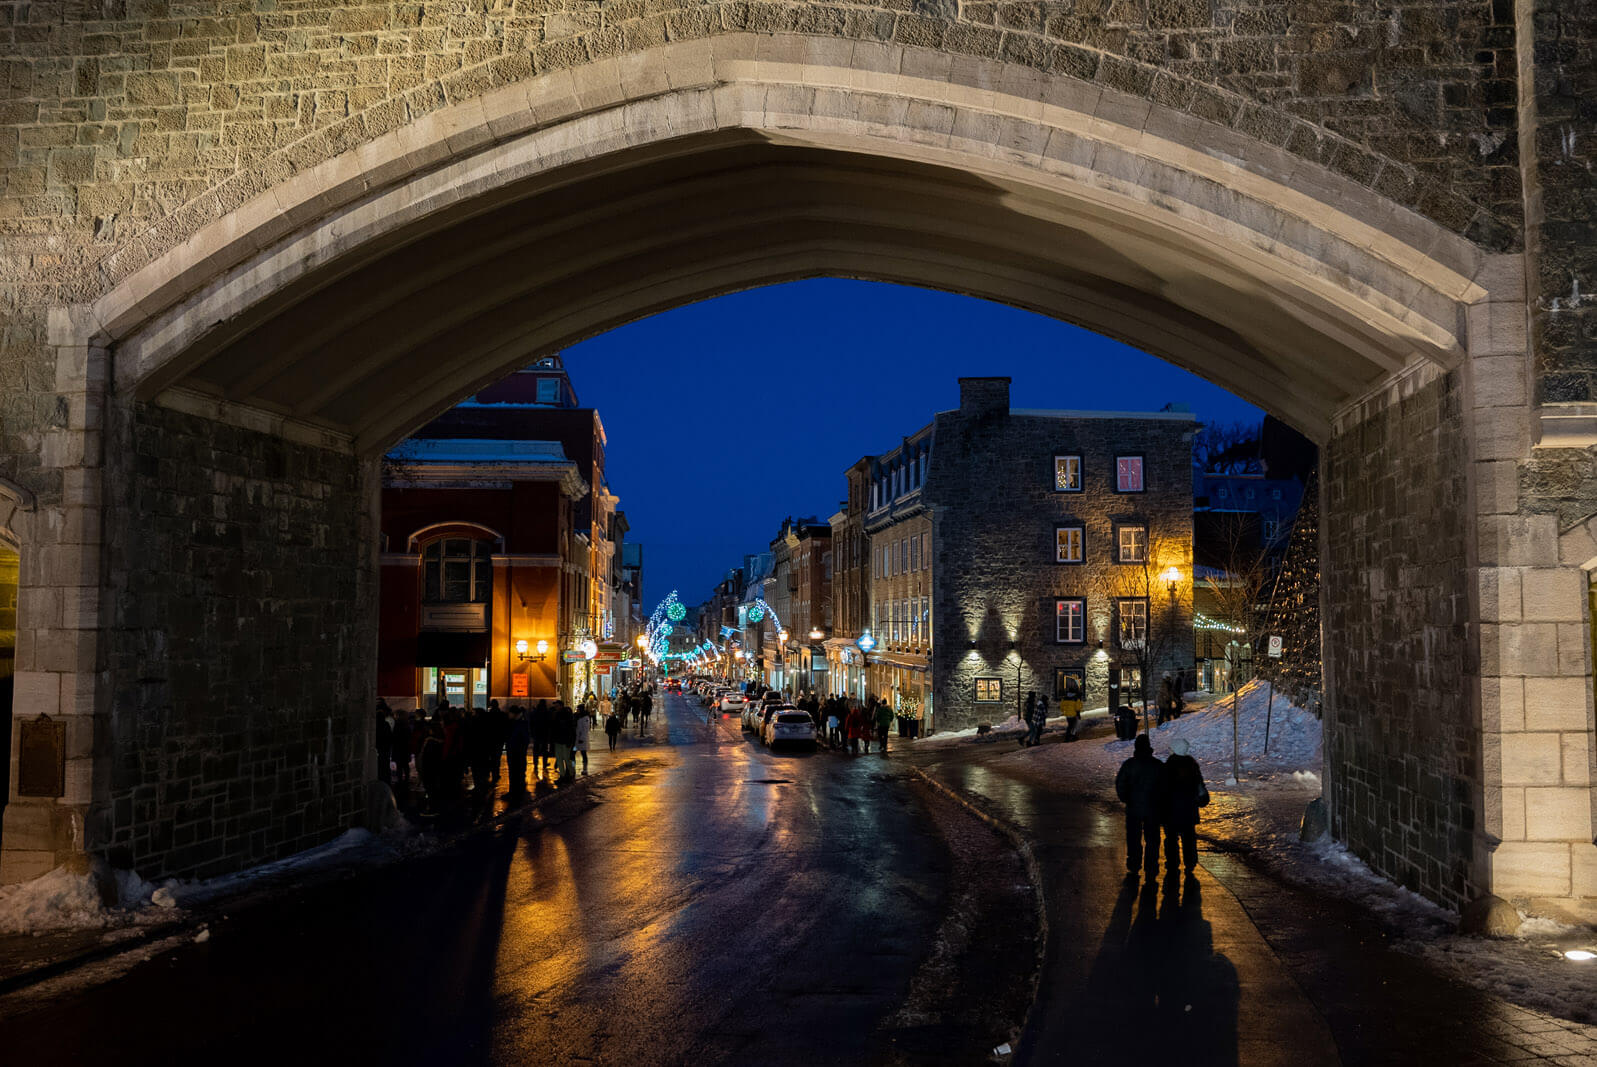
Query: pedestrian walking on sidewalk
562, 735
1184, 793
541, 723
834, 726
518, 735
1034, 720
884, 722
854, 726
385, 739
584, 726
401, 741
1139, 785
1070, 702
612, 729
1027, 715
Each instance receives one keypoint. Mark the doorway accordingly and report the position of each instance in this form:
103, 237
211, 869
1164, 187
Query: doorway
463, 686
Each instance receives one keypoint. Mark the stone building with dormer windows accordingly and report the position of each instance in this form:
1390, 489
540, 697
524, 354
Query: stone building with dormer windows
1014, 551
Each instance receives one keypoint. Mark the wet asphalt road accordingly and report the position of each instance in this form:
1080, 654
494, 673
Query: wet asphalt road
713, 903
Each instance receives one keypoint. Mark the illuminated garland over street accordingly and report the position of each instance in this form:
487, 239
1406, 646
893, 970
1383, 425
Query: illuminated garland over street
1200, 621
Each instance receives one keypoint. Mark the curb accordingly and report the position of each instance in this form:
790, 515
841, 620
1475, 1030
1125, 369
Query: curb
1028, 858
193, 922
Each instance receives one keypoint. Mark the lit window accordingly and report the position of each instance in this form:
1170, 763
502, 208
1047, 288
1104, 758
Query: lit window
989, 690
1067, 474
1068, 541
1128, 474
1070, 621
1133, 544
1133, 622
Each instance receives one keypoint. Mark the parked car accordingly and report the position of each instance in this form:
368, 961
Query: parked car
762, 722
731, 703
789, 726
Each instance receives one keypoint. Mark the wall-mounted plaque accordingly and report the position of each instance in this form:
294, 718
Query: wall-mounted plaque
42, 761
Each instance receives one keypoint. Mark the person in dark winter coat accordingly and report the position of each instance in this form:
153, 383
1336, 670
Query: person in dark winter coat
884, 722
541, 723
401, 749
1184, 794
518, 733
563, 732
431, 764
498, 729
612, 729
1140, 786
385, 740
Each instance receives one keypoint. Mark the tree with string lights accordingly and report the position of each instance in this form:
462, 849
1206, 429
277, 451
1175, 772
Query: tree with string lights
1296, 605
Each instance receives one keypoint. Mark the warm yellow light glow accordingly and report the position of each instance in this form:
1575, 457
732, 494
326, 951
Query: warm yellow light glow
781, 635
543, 646
642, 641
521, 647
1171, 575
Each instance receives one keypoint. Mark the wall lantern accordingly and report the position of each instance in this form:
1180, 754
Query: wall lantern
1172, 578
523, 654
815, 633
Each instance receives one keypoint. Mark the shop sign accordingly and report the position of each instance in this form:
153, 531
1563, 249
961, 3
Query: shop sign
573, 655
518, 685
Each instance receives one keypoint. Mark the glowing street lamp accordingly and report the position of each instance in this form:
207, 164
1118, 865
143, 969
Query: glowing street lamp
1172, 578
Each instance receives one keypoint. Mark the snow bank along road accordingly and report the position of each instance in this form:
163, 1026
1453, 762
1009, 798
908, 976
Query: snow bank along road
717, 904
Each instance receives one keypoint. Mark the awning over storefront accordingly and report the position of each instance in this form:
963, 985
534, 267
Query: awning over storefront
451, 649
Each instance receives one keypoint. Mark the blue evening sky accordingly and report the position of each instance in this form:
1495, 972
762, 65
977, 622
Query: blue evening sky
725, 416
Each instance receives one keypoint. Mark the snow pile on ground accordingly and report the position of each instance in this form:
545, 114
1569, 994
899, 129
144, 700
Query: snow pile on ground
1009, 729
55, 900
1294, 740
61, 900
350, 845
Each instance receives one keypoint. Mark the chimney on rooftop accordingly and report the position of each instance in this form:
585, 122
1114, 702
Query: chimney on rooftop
984, 396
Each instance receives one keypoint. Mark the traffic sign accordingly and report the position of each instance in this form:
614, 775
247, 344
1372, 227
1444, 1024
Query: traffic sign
1275, 647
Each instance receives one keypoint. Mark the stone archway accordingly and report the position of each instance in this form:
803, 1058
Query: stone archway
278, 348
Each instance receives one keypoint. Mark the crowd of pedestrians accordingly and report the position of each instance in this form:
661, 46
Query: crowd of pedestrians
451, 758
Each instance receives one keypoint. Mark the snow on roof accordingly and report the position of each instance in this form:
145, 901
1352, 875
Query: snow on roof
475, 450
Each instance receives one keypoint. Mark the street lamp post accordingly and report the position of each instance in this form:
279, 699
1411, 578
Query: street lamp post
865, 643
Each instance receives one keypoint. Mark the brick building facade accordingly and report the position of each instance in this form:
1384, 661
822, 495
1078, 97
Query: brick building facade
497, 528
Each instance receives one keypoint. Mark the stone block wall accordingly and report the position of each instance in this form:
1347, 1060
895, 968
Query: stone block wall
1402, 747
239, 645
990, 485
126, 126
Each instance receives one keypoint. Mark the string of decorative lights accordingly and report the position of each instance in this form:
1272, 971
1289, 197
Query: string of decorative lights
1200, 621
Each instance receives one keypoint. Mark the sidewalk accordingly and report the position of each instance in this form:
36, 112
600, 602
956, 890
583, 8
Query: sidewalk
28, 960
1234, 966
